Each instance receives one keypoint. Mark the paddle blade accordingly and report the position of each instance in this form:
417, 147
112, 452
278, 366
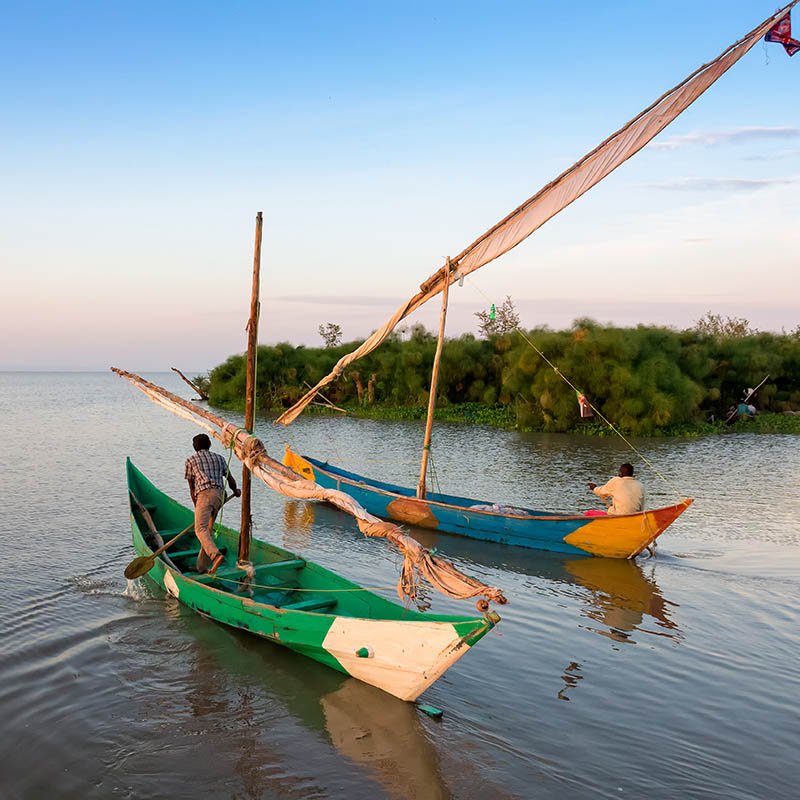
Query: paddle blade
139, 566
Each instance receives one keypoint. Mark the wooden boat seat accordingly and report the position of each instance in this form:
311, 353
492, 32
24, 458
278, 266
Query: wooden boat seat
292, 563
275, 566
167, 533
312, 604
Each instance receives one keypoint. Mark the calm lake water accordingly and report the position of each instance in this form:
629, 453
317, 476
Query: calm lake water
673, 677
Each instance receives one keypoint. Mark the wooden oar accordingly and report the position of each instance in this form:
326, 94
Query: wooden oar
141, 565
158, 541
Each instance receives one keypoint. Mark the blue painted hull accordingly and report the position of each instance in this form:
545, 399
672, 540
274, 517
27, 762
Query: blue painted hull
621, 536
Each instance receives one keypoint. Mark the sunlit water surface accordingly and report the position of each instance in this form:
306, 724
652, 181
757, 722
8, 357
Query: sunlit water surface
673, 677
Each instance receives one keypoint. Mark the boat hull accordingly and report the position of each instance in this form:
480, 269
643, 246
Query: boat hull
618, 536
396, 649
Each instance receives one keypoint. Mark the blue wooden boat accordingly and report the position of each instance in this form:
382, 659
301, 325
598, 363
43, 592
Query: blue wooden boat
618, 536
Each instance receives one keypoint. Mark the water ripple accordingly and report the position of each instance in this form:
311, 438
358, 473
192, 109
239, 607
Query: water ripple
603, 679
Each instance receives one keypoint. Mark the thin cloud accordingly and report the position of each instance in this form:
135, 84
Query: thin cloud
774, 156
698, 239
720, 184
733, 136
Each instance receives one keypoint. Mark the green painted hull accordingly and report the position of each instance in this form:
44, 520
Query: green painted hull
303, 606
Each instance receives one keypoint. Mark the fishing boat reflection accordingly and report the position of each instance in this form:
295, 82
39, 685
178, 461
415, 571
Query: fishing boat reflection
618, 599
621, 597
570, 677
374, 730
386, 735
298, 521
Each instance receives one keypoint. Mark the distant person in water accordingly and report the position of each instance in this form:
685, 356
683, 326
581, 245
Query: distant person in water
626, 493
206, 473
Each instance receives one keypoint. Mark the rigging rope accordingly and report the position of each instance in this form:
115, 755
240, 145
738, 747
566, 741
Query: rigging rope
591, 405
218, 525
436, 487
371, 460
298, 589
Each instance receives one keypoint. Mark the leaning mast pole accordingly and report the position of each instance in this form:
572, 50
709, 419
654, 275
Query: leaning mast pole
250, 405
426, 448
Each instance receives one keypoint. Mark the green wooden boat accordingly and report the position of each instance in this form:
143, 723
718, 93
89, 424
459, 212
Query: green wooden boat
303, 606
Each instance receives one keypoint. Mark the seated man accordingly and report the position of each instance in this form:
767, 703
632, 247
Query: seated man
206, 473
626, 493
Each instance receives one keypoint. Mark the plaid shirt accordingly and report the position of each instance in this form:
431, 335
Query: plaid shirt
207, 469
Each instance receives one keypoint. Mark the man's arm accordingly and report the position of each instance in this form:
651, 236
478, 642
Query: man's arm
237, 492
601, 491
190, 478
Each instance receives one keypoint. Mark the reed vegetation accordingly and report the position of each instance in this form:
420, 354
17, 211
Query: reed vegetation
646, 380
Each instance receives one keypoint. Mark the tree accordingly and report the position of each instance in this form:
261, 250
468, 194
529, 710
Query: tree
724, 327
498, 321
331, 334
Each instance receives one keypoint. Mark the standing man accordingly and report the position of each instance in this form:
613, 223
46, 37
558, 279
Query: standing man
206, 472
626, 493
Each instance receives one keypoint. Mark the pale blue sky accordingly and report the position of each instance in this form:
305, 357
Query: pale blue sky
139, 140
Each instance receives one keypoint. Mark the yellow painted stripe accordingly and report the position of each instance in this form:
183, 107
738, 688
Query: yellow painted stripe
624, 536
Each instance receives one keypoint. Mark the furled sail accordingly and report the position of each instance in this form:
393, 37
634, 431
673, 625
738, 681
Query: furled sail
418, 561
559, 193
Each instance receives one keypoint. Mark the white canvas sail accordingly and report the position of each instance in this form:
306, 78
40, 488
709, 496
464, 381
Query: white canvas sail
559, 193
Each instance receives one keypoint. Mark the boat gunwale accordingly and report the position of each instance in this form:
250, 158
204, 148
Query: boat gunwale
553, 517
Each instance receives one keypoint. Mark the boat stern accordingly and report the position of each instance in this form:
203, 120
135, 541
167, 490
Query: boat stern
625, 536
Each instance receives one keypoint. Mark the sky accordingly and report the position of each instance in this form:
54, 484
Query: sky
138, 141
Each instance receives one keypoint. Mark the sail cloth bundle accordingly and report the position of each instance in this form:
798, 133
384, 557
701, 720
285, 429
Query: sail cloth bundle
565, 189
418, 561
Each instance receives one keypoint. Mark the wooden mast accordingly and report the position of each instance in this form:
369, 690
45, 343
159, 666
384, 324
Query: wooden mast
250, 406
426, 449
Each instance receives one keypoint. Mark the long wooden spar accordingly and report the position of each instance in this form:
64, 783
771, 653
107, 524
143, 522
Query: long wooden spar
200, 392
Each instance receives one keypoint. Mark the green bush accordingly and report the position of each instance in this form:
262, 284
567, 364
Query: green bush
646, 380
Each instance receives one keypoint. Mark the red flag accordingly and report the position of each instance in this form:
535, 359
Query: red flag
583, 404
782, 34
